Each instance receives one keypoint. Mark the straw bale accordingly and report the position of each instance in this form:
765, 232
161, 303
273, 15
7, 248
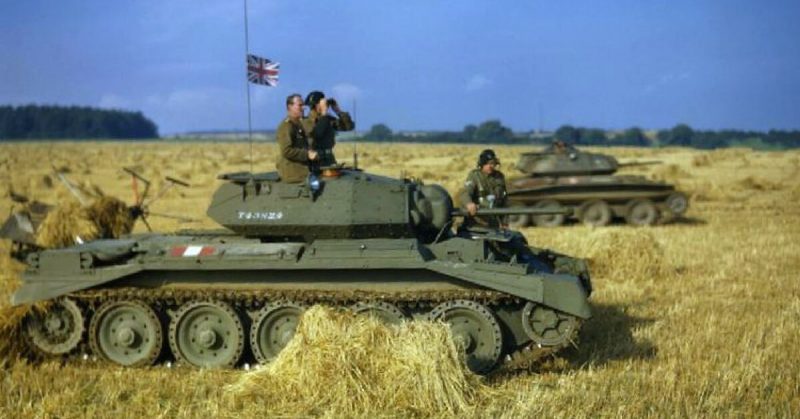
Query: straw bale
628, 253
702, 160
13, 344
341, 364
63, 224
758, 184
670, 172
111, 216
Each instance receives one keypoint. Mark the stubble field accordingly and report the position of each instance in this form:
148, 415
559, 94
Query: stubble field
693, 318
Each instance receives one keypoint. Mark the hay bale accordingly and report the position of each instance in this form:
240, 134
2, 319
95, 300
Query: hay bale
670, 173
341, 364
106, 217
702, 160
63, 224
754, 183
111, 216
625, 254
13, 344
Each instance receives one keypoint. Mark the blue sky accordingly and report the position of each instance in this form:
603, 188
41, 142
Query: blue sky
415, 64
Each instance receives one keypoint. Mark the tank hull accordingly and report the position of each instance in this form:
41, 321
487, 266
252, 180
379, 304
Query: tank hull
237, 280
615, 195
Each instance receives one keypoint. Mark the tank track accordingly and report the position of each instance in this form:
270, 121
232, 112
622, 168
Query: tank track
524, 358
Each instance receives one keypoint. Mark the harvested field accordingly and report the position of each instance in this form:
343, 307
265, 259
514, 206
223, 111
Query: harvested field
694, 318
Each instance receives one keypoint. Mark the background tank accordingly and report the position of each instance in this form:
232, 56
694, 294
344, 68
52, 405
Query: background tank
585, 182
374, 244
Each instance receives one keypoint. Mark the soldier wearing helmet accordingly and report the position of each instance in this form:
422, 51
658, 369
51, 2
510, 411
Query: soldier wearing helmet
485, 187
321, 127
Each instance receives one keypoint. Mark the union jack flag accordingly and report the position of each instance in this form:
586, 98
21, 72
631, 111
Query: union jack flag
262, 71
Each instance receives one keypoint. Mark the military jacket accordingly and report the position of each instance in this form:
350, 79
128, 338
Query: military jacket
487, 191
322, 132
292, 159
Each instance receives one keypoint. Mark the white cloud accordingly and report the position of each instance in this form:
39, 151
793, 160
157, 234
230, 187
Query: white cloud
112, 101
194, 109
478, 82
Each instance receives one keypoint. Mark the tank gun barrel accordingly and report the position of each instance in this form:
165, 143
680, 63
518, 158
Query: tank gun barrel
514, 211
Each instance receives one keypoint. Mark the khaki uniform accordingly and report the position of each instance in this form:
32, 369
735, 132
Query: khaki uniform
322, 130
292, 160
487, 191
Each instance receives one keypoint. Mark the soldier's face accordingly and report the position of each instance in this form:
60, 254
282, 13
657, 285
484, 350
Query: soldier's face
295, 109
488, 168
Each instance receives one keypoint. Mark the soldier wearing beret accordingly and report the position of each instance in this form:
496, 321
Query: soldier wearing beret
294, 154
485, 187
321, 127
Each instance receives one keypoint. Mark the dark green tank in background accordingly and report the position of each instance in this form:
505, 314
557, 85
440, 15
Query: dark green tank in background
373, 244
585, 183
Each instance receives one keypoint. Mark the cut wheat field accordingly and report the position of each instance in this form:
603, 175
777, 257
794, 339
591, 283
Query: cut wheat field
696, 318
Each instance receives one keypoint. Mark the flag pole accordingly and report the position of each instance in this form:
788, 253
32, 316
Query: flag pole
247, 86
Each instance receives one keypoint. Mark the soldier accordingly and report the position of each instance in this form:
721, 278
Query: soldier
485, 187
294, 155
322, 127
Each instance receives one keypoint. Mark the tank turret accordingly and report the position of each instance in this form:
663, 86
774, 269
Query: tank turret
572, 163
346, 205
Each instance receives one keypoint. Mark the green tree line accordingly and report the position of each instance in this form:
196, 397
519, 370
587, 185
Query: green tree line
493, 131
74, 122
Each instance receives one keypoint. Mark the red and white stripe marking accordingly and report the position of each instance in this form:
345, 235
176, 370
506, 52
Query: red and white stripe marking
192, 251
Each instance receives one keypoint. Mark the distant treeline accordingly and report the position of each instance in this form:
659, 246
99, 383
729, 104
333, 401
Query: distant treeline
493, 131
73, 122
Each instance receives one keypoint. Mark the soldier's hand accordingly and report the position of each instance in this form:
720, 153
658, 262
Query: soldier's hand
334, 105
472, 209
312, 155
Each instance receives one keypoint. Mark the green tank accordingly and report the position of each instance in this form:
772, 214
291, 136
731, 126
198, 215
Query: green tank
377, 245
565, 177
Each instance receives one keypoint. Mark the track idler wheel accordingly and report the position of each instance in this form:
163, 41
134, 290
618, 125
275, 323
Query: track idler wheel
386, 312
207, 334
127, 333
475, 330
59, 330
678, 203
273, 327
548, 327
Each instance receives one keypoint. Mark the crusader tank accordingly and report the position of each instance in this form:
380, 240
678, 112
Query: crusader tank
565, 177
376, 245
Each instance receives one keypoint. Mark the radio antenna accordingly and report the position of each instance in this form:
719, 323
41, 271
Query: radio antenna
355, 139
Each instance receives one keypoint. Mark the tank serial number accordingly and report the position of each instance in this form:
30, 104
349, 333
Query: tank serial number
254, 215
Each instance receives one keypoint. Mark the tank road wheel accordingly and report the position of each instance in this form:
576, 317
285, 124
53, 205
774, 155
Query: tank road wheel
59, 330
552, 220
678, 203
273, 327
518, 221
475, 329
546, 326
641, 212
595, 213
207, 334
127, 333
386, 312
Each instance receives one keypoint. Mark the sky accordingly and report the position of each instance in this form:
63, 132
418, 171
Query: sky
414, 64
